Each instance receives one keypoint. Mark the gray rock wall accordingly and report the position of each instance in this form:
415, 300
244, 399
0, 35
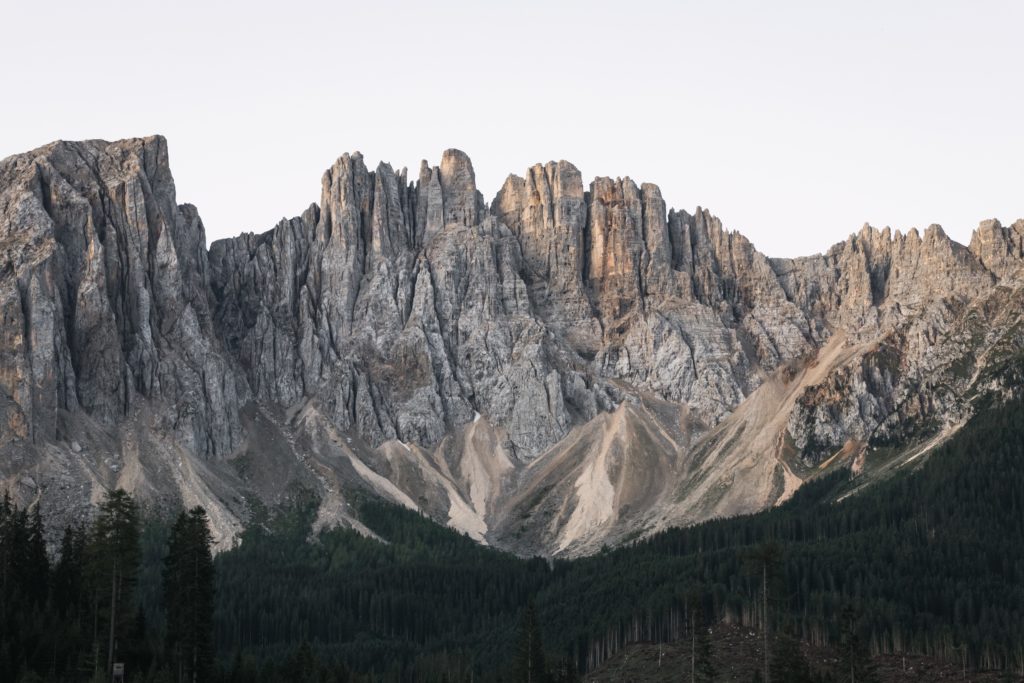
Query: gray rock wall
405, 309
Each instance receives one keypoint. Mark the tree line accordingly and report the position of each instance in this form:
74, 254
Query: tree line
929, 562
74, 617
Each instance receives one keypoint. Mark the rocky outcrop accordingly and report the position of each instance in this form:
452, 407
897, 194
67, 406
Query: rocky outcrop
105, 296
400, 327
547, 212
627, 366
999, 249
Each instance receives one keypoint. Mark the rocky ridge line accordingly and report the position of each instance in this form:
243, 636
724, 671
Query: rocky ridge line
407, 312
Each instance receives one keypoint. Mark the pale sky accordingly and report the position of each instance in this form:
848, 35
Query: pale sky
795, 122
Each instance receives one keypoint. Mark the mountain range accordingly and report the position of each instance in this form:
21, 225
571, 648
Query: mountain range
565, 367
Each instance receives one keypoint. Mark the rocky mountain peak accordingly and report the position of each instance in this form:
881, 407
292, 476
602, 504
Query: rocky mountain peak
569, 365
999, 248
462, 203
107, 295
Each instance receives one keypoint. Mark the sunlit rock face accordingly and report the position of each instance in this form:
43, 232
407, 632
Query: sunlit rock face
567, 366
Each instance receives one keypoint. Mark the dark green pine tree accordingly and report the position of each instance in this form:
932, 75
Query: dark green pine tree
11, 550
303, 664
114, 566
15, 553
789, 662
37, 563
763, 562
703, 666
188, 597
564, 671
528, 666
855, 665
69, 573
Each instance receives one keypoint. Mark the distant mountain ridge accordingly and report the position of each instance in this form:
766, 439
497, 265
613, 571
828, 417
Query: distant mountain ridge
562, 368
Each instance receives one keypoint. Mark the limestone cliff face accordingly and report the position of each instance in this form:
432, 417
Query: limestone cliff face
563, 367
105, 297
999, 249
401, 309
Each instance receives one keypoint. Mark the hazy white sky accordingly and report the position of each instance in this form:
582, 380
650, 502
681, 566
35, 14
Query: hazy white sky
795, 122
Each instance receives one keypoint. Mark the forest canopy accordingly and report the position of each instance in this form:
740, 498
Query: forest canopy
930, 561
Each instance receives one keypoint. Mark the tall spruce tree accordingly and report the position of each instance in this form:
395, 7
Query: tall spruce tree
114, 563
855, 664
762, 562
703, 666
789, 662
529, 666
10, 550
699, 665
68, 573
37, 563
188, 597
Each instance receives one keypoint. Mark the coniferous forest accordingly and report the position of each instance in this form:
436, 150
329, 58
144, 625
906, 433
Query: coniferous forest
930, 561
